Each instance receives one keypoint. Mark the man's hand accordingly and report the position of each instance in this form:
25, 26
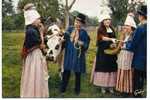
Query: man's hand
80, 43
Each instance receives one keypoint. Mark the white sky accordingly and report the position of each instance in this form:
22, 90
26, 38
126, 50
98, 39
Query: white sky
89, 7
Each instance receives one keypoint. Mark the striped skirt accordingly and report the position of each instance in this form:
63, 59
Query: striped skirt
124, 60
105, 79
125, 72
124, 81
34, 80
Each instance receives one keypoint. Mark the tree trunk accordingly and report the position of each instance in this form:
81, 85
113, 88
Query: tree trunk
67, 9
66, 19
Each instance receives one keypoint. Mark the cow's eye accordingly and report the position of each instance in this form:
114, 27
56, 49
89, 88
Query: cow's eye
59, 39
57, 47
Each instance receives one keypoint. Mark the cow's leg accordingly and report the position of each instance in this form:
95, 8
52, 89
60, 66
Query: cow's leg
60, 61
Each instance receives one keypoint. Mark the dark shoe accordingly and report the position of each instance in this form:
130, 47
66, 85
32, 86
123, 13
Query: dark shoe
77, 93
62, 94
125, 95
62, 90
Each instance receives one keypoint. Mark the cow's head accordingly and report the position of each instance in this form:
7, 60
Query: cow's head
54, 29
54, 43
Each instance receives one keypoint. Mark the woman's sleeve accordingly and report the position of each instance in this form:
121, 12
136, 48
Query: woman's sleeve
99, 36
32, 38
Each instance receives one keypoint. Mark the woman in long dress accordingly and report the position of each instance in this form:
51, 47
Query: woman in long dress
125, 70
34, 80
105, 67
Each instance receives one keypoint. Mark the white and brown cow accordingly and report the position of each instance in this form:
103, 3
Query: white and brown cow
54, 42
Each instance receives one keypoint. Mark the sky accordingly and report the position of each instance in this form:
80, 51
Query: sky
88, 7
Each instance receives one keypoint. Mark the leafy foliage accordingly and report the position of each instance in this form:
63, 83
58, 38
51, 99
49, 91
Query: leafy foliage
45, 7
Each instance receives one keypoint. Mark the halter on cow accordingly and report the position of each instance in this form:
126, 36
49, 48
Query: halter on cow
54, 40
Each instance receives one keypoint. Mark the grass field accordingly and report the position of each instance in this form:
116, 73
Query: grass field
11, 71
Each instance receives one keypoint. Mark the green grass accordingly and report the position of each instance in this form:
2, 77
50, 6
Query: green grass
12, 66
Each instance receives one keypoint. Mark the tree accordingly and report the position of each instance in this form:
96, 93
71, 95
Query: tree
120, 9
18, 21
67, 9
45, 7
92, 21
133, 5
7, 8
8, 23
7, 15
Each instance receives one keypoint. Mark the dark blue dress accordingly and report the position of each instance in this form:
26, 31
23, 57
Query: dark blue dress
74, 59
32, 40
105, 62
32, 37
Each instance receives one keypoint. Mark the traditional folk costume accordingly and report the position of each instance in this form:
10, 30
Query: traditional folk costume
34, 79
105, 66
74, 57
138, 46
125, 70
